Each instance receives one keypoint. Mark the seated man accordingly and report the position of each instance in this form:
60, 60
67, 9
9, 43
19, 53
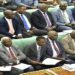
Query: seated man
24, 19
55, 49
41, 19
13, 56
63, 18
69, 46
36, 51
9, 26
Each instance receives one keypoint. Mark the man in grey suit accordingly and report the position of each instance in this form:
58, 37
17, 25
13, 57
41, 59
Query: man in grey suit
13, 56
69, 44
63, 18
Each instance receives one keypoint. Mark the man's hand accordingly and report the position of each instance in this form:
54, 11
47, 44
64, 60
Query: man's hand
36, 63
51, 28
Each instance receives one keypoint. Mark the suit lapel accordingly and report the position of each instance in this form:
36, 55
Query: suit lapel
5, 50
41, 15
50, 48
6, 23
35, 49
20, 20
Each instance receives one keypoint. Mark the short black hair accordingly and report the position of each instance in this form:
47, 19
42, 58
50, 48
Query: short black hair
20, 5
40, 37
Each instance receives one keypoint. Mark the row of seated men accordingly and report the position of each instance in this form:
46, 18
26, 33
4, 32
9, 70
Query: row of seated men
12, 4
22, 24
30, 3
43, 48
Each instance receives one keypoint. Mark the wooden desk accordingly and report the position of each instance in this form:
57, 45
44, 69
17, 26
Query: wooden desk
53, 71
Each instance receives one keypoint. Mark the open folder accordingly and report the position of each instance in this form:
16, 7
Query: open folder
5, 68
51, 61
21, 66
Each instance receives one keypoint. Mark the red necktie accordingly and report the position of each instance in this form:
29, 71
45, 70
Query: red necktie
56, 47
12, 54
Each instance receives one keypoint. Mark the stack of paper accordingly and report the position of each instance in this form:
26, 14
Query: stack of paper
5, 68
69, 67
50, 61
22, 66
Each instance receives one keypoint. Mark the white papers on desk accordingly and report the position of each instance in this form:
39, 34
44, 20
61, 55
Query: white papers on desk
69, 67
50, 61
22, 66
5, 68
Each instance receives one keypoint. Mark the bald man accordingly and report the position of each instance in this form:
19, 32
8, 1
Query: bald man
54, 47
69, 44
9, 25
13, 56
42, 19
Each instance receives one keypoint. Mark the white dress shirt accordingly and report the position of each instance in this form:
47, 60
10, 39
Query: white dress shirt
46, 17
54, 51
38, 52
7, 48
65, 16
11, 29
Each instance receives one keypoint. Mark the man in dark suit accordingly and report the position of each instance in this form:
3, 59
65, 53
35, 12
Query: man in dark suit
54, 47
42, 19
9, 26
36, 51
25, 23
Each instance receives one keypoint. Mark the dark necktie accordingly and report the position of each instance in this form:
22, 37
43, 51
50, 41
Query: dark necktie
38, 53
12, 54
25, 22
56, 47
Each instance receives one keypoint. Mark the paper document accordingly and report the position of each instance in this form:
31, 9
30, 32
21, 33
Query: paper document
69, 67
22, 66
5, 68
51, 61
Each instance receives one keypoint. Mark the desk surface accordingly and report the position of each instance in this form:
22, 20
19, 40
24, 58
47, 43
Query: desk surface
53, 71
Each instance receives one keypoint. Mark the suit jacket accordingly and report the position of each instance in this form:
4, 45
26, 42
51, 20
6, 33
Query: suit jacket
58, 18
4, 54
21, 22
73, 13
31, 52
50, 51
68, 44
38, 20
4, 28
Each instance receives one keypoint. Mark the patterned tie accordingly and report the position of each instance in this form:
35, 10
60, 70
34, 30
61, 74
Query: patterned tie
56, 47
47, 20
12, 54
25, 22
38, 53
